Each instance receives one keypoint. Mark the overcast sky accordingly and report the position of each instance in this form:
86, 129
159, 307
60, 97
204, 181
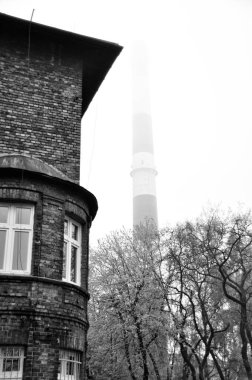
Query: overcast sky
201, 96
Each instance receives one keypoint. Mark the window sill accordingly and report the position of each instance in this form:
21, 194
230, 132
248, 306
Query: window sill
7, 277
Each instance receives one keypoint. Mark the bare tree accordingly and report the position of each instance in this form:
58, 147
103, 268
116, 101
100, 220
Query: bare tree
173, 304
125, 290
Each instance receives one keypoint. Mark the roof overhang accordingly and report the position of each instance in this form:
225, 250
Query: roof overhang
98, 55
15, 164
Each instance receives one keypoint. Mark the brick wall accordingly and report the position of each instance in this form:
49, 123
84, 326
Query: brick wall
41, 312
40, 108
42, 101
43, 317
52, 202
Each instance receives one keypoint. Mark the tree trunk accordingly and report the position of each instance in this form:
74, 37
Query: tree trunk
185, 372
244, 349
188, 363
217, 366
126, 348
154, 365
142, 350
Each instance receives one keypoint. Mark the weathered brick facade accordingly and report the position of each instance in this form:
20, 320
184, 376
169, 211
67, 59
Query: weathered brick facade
42, 93
42, 99
41, 104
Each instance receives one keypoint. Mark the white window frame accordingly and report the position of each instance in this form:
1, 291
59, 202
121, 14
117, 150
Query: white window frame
69, 358
69, 242
18, 375
11, 227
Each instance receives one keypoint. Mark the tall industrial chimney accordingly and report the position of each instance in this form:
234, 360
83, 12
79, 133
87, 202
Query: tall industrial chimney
143, 168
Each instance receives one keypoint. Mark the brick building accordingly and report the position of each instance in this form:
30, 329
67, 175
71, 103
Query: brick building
48, 79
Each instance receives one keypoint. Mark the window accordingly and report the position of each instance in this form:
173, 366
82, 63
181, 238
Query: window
11, 362
71, 251
16, 228
69, 365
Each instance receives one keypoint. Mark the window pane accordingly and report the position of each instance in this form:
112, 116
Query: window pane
8, 351
64, 260
16, 351
11, 365
74, 232
66, 227
23, 215
73, 264
2, 247
3, 214
20, 252
70, 366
